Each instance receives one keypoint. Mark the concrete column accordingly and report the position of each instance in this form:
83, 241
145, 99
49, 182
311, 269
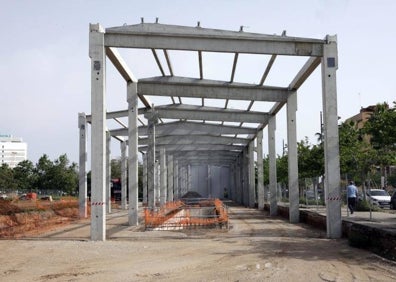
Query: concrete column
272, 166
157, 183
163, 176
231, 193
252, 177
124, 173
209, 182
145, 179
170, 178
239, 180
188, 178
151, 166
176, 187
331, 146
245, 177
294, 213
183, 180
260, 171
133, 165
98, 137
82, 183
108, 172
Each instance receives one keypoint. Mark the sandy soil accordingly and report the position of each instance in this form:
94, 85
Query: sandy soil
255, 248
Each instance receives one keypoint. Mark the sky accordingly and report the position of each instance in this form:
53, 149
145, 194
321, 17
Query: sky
45, 67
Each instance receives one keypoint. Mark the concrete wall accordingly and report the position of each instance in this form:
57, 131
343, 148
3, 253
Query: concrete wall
212, 186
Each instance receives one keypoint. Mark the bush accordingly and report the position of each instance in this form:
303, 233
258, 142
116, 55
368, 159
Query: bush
364, 205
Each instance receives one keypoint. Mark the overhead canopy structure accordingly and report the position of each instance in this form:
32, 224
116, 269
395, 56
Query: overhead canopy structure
207, 131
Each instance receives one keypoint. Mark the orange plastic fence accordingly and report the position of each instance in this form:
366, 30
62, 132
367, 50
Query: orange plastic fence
158, 218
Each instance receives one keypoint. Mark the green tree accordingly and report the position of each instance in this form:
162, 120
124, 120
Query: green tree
59, 175
7, 181
115, 168
381, 128
64, 176
24, 175
310, 159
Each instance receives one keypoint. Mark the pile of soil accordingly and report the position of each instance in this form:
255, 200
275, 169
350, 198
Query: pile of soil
16, 222
191, 195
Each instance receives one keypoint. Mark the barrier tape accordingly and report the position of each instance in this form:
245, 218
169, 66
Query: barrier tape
98, 204
334, 198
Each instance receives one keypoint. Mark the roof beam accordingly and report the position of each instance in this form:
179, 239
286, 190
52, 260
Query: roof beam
234, 67
188, 128
168, 62
125, 72
304, 73
191, 112
158, 62
195, 139
160, 36
195, 88
199, 147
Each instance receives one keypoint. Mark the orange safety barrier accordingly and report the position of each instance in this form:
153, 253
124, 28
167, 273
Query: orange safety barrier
161, 218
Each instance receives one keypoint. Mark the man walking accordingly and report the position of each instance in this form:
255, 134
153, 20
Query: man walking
352, 193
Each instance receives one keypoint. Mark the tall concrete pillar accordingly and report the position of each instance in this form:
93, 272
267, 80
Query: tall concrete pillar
170, 178
239, 180
231, 193
163, 177
272, 166
252, 176
331, 146
260, 171
144, 179
209, 181
245, 177
98, 137
294, 213
82, 183
108, 172
133, 164
157, 183
176, 178
183, 180
151, 165
189, 178
124, 174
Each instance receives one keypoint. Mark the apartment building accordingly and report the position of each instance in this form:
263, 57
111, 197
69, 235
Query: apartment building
12, 150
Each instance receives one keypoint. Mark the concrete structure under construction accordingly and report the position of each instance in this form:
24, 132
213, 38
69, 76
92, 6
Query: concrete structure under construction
197, 141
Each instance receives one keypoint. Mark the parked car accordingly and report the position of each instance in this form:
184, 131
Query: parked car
379, 197
393, 201
3, 196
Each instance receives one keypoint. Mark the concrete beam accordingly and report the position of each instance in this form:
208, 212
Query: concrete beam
191, 128
180, 111
199, 147
203, 88
195, 139
304, 73
125, 72
171, 37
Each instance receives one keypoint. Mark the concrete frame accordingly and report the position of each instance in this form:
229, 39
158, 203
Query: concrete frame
165, 136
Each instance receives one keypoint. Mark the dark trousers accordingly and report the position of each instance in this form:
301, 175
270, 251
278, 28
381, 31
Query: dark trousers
352, 204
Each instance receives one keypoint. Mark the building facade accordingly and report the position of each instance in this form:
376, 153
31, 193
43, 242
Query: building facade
12, 150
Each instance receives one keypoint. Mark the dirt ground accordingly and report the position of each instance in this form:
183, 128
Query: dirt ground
255, 248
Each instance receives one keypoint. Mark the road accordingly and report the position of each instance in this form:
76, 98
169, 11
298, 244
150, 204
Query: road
255, 248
